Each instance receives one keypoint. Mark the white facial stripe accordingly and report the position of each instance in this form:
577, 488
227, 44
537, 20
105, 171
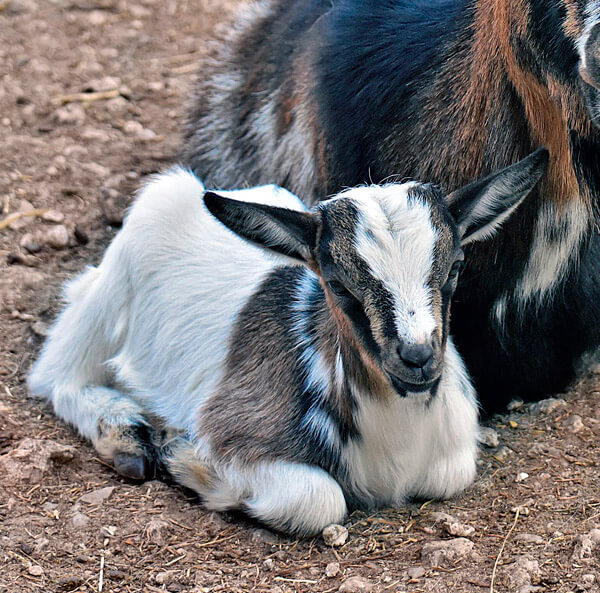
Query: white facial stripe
396, 238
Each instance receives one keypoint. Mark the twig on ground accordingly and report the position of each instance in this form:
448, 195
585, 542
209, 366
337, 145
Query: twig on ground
502, 550
12, 217
186, 69
88, 97
101, 576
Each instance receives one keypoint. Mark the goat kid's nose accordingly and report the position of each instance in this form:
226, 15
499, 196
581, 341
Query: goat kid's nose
415, 355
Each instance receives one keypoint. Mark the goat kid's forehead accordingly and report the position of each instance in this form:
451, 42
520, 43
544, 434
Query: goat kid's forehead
399, 236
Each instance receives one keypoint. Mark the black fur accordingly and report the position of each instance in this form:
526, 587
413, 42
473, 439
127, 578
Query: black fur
389, 80
374, 53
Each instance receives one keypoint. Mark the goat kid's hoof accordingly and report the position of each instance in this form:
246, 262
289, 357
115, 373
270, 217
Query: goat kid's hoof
134, 467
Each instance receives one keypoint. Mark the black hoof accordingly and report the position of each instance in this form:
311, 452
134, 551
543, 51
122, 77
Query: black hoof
134, 467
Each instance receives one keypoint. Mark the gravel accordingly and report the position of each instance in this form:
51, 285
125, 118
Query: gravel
98, 496
335, 535
446, 553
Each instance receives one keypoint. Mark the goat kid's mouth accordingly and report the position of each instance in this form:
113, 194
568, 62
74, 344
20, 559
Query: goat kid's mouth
402, 387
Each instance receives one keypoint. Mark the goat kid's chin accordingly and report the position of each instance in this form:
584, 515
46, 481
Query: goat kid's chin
403, 388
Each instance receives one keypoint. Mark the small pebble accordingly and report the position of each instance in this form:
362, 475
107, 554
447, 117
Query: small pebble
416, 572
335, 535
98, 496
529, 538
69, 582
30, 243
264, 535
56, 237
162, 578
97, 18
356, 585
269, 564
156, 531
26, 548
53, 216
521, 477
71, 114
588, 580
108, 83
135, 128
332, 570
96, 169
452, 525
523, 509
40, 328
488, 437
79, 520
35, 570
547, 406
515, 404
446, 553
116, 574
573, 423
502, 454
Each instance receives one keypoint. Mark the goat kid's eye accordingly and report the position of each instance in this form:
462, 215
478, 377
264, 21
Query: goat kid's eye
457, 266
453, 276
339, 289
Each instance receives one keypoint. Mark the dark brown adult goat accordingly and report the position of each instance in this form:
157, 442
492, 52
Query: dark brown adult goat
320, 94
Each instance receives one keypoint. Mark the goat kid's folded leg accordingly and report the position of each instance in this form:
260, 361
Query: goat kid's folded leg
289, 497
116, 426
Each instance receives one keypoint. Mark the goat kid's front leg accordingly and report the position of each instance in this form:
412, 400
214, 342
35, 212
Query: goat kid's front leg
289, 497
116, 426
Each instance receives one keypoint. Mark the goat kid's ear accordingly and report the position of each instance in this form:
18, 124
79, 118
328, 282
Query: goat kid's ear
291, 233
481, 207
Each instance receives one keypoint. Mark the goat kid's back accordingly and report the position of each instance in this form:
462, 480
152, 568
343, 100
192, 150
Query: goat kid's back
157, 313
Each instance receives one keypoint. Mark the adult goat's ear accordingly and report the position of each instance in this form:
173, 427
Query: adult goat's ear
291, 233
481, 207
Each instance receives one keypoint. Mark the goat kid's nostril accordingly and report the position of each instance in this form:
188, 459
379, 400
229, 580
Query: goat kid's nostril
415, 355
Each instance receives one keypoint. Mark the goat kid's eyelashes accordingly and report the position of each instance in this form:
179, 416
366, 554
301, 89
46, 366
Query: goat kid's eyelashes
452, 276
457, 266
339, 289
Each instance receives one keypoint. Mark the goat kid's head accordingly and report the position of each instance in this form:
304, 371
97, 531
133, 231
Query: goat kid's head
388, 258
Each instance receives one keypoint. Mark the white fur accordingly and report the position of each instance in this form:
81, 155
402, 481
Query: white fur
396, 239
558, 235
299, 497
415, 447
154, 320
158, 310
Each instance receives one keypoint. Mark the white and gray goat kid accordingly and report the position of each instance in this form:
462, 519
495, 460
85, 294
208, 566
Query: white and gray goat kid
293, 368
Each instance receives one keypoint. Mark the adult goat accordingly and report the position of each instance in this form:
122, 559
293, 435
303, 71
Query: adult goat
322, 94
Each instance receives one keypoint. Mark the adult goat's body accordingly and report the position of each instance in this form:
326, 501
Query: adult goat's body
321, 95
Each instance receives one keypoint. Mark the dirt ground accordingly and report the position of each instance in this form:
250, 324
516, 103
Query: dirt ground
67, 521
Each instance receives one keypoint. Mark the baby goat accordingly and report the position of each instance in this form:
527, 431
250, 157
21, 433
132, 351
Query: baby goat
289, 391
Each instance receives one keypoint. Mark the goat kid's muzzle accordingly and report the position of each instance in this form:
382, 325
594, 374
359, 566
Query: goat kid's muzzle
403, 388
